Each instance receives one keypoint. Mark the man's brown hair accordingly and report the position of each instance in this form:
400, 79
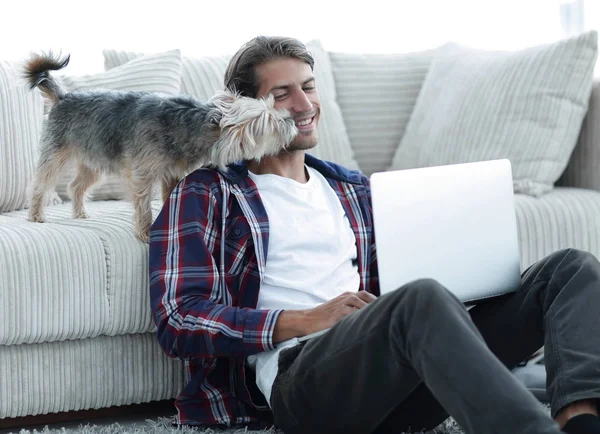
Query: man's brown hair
241, 73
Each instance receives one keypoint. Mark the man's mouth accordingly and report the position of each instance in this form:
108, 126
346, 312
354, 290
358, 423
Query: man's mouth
305, 123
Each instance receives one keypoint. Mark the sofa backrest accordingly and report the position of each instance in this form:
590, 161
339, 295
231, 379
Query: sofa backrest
368, 103
377, 93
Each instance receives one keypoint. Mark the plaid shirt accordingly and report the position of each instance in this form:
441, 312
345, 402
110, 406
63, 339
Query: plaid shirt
205, 308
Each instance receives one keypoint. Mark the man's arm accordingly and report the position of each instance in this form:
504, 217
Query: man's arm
184, 283
290, 324
293, 323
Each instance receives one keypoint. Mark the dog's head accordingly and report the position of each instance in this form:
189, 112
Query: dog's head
250, 129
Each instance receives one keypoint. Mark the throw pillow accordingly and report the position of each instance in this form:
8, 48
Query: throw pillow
155, 73
21, 119
377, 94
203, 76
525, 105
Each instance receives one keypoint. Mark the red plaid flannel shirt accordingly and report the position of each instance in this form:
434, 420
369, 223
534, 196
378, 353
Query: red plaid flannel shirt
205, 310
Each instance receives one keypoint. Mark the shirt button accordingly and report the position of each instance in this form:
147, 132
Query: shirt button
237, 231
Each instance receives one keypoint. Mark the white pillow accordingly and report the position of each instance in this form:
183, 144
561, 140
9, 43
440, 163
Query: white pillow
155, 73
202, 77
21, 119
377, 94
525, 105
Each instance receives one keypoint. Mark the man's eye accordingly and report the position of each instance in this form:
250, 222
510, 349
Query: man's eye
280, 97
309, 88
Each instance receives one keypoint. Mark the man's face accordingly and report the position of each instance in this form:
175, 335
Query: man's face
292, 83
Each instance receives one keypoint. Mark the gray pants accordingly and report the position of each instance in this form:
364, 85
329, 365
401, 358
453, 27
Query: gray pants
415, 356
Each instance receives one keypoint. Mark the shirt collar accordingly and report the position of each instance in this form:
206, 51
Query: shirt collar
237, 172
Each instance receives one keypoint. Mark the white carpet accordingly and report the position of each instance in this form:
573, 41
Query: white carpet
162, 427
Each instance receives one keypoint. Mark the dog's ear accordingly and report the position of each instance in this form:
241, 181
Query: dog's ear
269, 100
241, 138
224, 99
214, 117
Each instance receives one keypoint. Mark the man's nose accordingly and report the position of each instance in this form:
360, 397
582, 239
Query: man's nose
301, 103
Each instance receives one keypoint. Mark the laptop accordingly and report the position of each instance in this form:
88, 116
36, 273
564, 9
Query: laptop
454, 223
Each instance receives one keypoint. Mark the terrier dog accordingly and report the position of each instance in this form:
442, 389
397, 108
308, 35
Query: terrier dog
145, 137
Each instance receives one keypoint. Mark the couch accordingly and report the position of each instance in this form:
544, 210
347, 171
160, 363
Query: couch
76, 330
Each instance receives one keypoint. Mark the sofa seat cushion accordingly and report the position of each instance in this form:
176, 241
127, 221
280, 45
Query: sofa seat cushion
564, 218
73, 279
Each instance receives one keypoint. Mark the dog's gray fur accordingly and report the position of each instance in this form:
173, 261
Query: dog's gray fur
146, 137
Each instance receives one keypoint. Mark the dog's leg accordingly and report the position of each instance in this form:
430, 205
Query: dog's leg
52, 160
167, 186
141, 189
86, 177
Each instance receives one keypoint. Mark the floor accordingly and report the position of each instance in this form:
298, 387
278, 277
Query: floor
125, 420
533, 375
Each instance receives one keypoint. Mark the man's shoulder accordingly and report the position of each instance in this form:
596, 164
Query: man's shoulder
336, 171
203, 175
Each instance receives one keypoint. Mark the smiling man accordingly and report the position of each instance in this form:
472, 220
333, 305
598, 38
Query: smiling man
248, 266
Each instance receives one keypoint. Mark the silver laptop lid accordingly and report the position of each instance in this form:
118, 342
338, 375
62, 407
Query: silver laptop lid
455, 224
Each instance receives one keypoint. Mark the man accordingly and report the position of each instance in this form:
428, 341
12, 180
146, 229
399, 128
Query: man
244, 263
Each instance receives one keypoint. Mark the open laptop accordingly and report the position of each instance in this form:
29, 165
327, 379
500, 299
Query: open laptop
454, 223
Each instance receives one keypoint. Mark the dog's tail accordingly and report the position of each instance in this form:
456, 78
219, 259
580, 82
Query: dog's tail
37, 75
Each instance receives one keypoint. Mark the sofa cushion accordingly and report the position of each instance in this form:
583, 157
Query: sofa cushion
21, 119
564, 218
203, 76
583, 170
73, 279
53, 281
154, 73
86, 374
525, 105
377, 94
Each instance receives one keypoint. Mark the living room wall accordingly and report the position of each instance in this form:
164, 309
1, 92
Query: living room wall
84, 28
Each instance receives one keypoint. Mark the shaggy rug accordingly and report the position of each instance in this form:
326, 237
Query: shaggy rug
162, 426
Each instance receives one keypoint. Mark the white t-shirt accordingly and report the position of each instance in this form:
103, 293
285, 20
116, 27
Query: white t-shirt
311, 255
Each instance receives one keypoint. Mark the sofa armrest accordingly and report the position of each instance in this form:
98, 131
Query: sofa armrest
583, 170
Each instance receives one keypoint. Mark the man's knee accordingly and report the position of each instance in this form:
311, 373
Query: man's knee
423, 293
570, 269
421, 303
572, 255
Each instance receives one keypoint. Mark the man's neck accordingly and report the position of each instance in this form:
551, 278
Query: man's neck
289, 165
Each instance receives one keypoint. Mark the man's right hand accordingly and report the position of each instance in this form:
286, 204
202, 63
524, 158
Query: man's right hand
296, 323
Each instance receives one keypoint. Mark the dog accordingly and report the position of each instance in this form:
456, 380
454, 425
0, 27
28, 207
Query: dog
144, 137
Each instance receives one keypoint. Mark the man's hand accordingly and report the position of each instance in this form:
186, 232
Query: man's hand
296, 323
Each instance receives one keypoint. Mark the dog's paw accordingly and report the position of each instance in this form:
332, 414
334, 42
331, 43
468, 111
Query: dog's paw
36, 218
80, 215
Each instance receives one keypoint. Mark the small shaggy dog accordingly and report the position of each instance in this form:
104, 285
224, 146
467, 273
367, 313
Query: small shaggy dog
145, 137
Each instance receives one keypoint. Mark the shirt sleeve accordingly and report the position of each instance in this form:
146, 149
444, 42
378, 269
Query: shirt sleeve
373, 271
185, 295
